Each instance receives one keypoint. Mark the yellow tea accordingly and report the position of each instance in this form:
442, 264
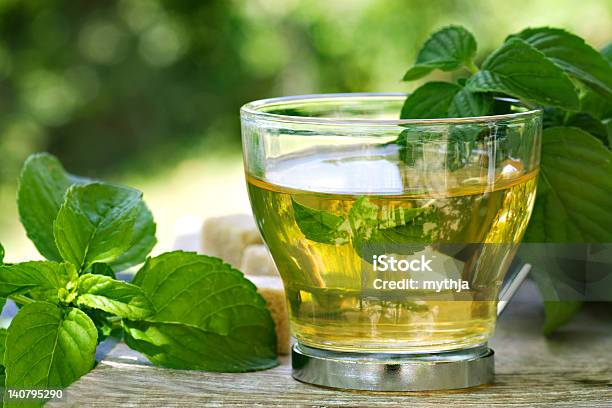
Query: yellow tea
375, 258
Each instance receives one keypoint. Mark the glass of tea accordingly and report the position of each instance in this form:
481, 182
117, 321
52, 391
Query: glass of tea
392, 236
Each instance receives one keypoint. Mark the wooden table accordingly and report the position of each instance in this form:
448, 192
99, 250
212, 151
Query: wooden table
573, 369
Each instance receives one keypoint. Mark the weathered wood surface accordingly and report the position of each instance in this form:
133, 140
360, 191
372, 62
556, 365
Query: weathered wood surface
572, 370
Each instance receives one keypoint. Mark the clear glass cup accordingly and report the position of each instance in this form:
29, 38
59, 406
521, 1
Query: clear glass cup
339, 187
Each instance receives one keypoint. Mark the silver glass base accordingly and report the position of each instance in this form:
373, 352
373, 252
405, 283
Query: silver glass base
397, 372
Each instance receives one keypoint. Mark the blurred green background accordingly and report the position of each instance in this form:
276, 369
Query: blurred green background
147, 92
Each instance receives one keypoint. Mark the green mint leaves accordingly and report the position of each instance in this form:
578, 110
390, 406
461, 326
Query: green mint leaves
48, 347
570, 53
467, 103
572, 82
112, 296
207, 316
574, 189
43, 185
143, 240
371, 228
319, 226
448, 49
519, 70
445, 99
95, 223
46, 280
183, 310
431, 100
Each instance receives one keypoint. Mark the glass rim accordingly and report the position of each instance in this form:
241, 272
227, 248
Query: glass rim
254, 109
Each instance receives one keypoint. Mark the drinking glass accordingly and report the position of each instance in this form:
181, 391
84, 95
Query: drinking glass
392, 236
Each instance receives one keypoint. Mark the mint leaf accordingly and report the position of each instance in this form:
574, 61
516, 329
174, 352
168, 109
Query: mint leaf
411, 145
1, 254
442, 100
570, 53
100, 268
520, 70
204, 304
319, 226
46, 277
589, 124
447, 49
557, 281
42, 185
557, 314
3, 333
430, 101
112, 296
596, 105
143, 240
460, 145
469, 104
574, 189
371, 228
182, 346
95, 223
378, 229
106, 324
607, 52
48, 347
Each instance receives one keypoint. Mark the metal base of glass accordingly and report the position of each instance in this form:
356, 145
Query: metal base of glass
393, 372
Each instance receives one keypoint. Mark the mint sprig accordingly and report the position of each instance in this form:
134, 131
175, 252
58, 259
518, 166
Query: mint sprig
48, 346
573, 55
43, 184
517, 69
572, 82
182, 310
448, 49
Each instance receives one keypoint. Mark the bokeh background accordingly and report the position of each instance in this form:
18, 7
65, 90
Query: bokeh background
147, 92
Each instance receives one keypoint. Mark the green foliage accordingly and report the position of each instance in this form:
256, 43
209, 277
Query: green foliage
102, 269
445, 99
517, 69
177, 345
370, 228
68, 307
45, 277
112, 296
319, 226
42, 186
566, 210
558, 314
95, 223
48, 347
572, 54
378, 230
3, 333
571, 81
228, 328
467, 103
431, 100
143, 240
447, 49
